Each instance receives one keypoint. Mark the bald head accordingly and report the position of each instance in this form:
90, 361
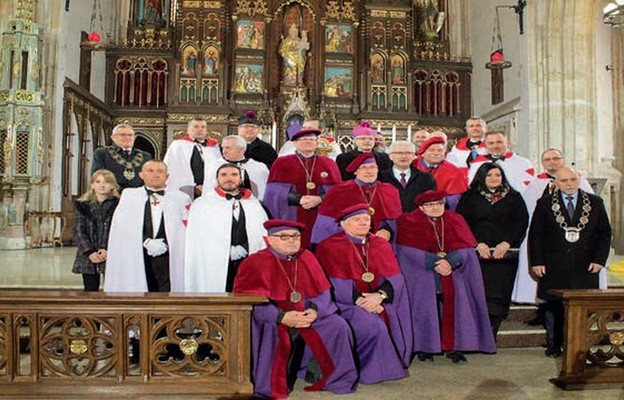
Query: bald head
567, 180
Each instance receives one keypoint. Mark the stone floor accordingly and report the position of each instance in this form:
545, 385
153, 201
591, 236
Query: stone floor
510, 374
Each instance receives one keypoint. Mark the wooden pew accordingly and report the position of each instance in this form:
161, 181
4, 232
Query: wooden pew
76, 343
593, 337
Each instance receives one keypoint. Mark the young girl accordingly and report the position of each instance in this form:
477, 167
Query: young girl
94, 211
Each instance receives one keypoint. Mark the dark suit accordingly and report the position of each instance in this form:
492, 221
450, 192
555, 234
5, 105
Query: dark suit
567, 263
261, 151
103, 160
417, 183
343, 160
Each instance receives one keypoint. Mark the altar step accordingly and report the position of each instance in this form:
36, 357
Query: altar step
515, 332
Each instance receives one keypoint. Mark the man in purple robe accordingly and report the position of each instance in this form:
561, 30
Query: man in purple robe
370, 292
300, 323
436, 251
298, 182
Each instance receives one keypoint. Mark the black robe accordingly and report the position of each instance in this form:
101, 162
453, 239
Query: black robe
343, 160
505, 220
418, 182
261, 151
567, 263
103, 160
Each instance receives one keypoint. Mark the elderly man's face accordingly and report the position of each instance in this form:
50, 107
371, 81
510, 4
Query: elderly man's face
357, 225
231, 151
402, 156
229, 179
434, 154
365, 143
248, 131
286, 242
552, 161
433, 209
306, 145
124, 138
154, 174
197, 130
496, 144
567, 180
367, 172
475, 129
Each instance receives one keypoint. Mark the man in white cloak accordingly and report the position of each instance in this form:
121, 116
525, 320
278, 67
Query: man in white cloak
254, 174
146, 241
518, 170
188, 158
525, 287
224, 227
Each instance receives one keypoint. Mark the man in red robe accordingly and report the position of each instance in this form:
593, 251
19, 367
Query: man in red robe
435, 249
298, 182
299, 322
449, 178
383, 200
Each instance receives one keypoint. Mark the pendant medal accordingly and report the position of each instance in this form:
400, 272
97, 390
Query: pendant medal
368, 277
371, 211
310, 185
295, 297
129, 174
572, 235
441, 254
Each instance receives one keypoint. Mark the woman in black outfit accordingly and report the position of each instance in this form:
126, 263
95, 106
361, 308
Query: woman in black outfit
498, 217
94, 211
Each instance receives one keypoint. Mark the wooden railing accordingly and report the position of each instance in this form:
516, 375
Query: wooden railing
593, 337
76, 343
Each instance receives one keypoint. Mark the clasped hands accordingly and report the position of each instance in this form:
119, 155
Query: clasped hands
308, 202
499, 251
299, 319
98, 256
371, 302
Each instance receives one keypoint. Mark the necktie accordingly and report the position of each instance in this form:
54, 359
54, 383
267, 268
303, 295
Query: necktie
128, 153
570, 206
153, 192
403, 181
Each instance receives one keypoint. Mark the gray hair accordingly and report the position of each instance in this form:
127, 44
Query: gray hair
402, 143
122, 126
240, 141
477, 118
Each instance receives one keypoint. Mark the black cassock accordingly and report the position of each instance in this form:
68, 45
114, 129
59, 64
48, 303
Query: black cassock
238, 238
261, 151
156, 268
567, 263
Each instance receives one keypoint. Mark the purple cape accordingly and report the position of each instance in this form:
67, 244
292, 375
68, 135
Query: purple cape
473, 331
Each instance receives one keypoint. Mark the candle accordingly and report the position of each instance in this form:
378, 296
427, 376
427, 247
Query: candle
379, 128
393, 133
409, 132
274, 135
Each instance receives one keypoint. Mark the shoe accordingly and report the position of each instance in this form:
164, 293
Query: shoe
425, 357
537, 321
456, 357
553, 352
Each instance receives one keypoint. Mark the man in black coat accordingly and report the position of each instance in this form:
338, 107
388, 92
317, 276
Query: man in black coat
364, 137
257, 149
404, 176
121, 158
569, 242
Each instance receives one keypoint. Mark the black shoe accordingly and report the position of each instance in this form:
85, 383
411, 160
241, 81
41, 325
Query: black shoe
425, 357
537, 321
456, 357
553, 352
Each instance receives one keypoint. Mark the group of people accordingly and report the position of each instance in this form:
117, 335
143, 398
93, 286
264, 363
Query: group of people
367, 261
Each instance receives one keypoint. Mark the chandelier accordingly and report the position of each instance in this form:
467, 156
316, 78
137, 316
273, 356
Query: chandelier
613, 13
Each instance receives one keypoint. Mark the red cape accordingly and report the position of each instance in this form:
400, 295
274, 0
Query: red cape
261, 274
208, 143
387, 202
339, 257
448, 177
415, 230
288, 169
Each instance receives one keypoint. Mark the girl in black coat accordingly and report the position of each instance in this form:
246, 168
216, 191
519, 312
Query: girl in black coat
498, 218
94, 211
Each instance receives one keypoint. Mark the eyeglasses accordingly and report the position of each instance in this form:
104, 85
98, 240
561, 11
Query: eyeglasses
308, 139
434, 203
284, 238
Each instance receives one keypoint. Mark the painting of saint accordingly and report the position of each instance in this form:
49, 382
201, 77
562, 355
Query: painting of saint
378, 68
189, 61
249, 79
338, 39
211, 62
338, 82
293, 50
398, 70
250, 34
152, 12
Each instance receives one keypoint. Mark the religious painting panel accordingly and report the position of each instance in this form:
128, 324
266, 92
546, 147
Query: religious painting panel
250, 34
397, 63
378, 67
211, 61
249, 78
338, 38
189, 61
152, 12
338, 82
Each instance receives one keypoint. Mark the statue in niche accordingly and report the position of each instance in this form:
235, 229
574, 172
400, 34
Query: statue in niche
293, 50
432, 18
